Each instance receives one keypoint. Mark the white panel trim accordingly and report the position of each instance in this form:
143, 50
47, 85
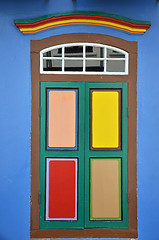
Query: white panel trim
47, 218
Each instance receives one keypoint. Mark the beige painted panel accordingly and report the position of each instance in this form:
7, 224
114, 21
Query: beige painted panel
62, 118
105, 189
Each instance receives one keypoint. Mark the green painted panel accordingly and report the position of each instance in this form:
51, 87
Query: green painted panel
123, 154
79, 224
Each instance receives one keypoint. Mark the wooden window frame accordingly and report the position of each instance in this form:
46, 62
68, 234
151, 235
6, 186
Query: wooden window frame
131, 48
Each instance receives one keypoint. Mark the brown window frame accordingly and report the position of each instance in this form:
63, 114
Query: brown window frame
36, 78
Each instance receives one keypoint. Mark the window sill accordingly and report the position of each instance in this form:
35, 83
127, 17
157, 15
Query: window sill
84, 233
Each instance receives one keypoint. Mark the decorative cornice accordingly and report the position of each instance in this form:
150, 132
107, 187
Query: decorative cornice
35, 25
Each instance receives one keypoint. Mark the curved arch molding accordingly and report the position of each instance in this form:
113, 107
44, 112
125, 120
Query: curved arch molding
39, 24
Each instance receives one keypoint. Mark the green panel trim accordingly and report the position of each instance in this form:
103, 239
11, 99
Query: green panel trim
82, 13
120, 188
62, 153
105, 159
51, 153
107, 153
125, 150
123, 154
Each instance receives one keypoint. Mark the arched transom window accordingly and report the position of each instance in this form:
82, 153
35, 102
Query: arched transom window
84, 58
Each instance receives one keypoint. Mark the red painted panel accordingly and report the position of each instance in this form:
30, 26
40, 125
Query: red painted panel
62, 189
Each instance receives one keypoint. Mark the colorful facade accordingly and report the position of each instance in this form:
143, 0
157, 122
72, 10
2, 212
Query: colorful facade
54, 117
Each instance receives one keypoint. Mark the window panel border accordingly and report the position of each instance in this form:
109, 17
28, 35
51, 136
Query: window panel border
119, 160
48, 160
119, 118
77, 115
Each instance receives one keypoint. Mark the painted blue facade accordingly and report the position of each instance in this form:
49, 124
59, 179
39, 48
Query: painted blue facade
15, 100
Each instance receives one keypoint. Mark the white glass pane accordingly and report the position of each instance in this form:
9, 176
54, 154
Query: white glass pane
52, 65
73, 51
94, 66
114, 54
57, 52
115, 66
94, 52
73, 65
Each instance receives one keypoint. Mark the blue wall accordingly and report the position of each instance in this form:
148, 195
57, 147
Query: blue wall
15, 100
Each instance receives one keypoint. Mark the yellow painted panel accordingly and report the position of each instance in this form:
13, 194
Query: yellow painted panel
105, 119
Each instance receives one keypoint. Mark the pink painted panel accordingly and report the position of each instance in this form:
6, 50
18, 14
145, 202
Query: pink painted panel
62, 118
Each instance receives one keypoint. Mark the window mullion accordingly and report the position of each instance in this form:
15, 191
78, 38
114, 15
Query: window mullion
84, 56
63, 60
105, 61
